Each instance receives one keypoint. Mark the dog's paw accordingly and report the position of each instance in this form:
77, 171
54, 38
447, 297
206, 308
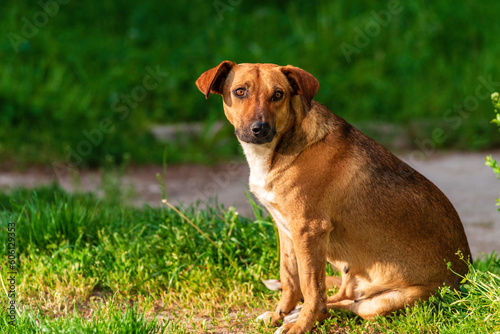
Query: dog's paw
265, 317
284, 329
292, 317
279, 330
272, 284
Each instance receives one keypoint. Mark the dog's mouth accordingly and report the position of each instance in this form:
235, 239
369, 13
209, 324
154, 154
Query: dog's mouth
248, 137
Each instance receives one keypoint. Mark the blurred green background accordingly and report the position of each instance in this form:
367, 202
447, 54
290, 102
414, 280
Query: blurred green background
70, 70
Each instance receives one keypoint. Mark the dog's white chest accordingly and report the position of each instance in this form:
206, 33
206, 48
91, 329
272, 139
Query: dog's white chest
258, 159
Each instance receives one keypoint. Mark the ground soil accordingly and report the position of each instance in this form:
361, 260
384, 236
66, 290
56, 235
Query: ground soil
469, 184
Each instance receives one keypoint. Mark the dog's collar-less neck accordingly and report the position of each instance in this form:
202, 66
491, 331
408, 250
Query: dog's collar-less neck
258, 154
259, 159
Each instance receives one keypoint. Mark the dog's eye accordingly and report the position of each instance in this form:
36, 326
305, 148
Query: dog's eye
239, 92
278, 95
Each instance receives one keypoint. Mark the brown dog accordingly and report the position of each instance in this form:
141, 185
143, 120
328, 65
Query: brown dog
338, 196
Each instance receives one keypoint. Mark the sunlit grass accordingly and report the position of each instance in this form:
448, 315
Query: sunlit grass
89, 266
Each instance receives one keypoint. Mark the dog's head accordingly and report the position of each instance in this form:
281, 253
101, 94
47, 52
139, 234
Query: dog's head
258, 98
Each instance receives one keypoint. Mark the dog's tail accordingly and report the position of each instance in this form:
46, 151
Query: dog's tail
330, 281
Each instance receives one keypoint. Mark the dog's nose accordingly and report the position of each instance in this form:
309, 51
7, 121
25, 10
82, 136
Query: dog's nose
260, 129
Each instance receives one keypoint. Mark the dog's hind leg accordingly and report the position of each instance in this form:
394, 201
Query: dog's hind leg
384, 302
389, 301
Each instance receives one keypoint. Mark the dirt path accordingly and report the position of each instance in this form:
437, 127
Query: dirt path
469, 184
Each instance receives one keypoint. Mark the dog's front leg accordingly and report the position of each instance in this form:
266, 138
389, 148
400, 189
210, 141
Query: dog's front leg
310, 241
289, 276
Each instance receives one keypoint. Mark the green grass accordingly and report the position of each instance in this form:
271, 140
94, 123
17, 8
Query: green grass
88, 265
69, 76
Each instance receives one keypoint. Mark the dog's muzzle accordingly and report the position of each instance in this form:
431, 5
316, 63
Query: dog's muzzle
258, 133
260, 129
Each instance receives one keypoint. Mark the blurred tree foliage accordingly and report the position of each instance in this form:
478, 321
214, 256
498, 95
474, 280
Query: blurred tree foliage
69, 65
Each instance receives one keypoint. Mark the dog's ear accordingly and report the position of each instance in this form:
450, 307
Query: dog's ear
302, 82
212, 80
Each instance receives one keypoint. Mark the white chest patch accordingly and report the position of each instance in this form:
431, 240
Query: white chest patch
258, 159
